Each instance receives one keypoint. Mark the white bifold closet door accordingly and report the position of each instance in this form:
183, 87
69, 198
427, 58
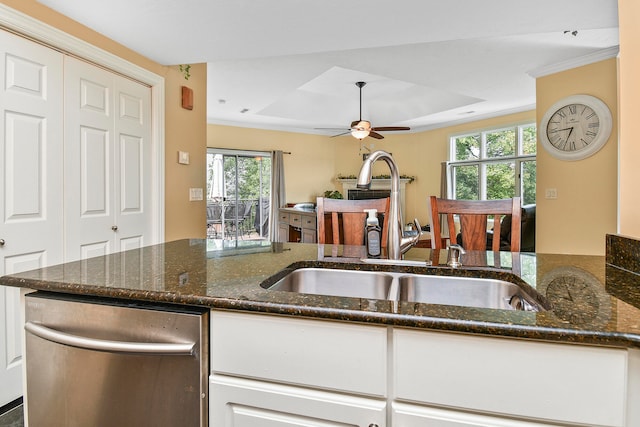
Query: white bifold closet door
31, 171
107, 177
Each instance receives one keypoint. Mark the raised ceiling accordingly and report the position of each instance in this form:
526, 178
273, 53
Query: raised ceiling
292, 64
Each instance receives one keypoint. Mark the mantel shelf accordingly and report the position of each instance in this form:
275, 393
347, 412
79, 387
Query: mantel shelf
377, 180
376, 184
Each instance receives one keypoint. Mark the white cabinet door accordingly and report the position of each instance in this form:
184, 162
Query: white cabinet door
237, 402
30, 183
108, 152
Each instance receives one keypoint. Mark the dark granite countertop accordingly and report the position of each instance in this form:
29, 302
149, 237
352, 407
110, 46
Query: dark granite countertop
591, 301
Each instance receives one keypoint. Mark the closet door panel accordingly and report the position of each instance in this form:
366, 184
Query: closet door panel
25, 75
24, 147
89, 158
133, 169
94, 176
108, 161
31, 199
131, 174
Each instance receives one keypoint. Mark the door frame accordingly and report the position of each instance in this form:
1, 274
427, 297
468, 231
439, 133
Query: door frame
240, 153
47, 35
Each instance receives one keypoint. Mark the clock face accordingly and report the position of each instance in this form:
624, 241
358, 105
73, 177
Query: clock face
575, 127
577, 296
569, 294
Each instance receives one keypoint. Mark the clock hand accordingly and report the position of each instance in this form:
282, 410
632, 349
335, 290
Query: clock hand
570, 129
568, 290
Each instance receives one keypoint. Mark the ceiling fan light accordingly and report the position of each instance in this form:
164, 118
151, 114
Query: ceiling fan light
363, 124
361, 129
359, 133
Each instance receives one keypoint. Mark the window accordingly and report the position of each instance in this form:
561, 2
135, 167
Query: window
238, 193
494, 164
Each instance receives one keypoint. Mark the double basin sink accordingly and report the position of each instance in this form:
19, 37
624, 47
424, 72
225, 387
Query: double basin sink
410, 287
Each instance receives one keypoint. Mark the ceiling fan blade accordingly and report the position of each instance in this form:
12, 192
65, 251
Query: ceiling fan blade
390, 128
375, 135
340, 134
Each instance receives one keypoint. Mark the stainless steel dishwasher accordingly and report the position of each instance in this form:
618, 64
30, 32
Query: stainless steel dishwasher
103, 362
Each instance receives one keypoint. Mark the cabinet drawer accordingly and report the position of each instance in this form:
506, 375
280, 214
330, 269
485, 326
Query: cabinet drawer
309, 222
295, 220
329, 355
545, 381
284, 217
242, 402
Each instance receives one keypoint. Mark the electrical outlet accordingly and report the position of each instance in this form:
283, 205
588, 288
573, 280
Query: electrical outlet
550, 193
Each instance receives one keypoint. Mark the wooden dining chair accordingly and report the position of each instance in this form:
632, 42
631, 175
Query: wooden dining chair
343, 221
473, 215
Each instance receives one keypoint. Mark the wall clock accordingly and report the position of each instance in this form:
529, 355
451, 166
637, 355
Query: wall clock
575, 127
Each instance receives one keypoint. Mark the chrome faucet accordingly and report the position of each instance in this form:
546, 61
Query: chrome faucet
397, 244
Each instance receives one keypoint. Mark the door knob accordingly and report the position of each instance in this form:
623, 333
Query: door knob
114, 227
1, 242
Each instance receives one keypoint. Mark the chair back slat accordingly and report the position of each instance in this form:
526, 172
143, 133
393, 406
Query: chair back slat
343, 221
473, 215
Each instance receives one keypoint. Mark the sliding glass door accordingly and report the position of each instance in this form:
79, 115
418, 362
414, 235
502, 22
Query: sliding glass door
238, 194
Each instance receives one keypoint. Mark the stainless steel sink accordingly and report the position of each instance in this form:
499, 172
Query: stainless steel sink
419, 288
342, 283
465, 291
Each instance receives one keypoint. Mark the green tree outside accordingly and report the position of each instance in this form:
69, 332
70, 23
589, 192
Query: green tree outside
500, 176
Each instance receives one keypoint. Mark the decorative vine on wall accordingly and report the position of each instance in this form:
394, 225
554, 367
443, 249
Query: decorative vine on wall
185, 70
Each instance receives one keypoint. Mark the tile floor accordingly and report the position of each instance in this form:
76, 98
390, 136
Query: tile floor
12, 418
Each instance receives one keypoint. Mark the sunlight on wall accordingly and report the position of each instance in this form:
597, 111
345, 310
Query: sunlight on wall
585, 209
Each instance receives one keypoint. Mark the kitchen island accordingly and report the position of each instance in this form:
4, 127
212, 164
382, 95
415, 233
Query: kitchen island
388, 362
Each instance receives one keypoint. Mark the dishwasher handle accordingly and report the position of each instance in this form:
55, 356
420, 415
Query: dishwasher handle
186, 349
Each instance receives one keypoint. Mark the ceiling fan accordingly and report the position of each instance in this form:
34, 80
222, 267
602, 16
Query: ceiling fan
360, 129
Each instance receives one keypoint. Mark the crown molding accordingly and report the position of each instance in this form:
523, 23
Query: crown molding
597, 56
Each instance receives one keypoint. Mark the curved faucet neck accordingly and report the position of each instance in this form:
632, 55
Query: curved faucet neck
364, 178
394, 241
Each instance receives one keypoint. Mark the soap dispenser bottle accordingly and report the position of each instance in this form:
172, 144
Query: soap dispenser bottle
372, 234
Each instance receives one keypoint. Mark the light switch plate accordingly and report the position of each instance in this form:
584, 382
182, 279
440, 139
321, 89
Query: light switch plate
195, 194
183, 157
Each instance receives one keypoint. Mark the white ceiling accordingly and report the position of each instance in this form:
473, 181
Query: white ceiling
293, 64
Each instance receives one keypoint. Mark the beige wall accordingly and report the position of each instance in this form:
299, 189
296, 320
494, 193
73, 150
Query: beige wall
629, 106
183, 130
585, 209
186, 130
